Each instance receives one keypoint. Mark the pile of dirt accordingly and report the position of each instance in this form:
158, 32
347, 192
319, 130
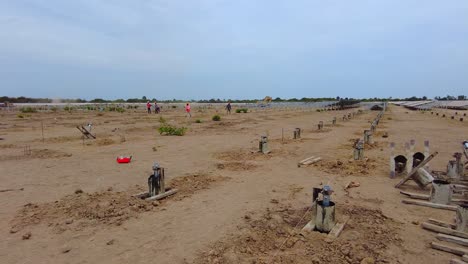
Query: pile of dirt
275, 238
236, 166
349, 167
48, 154
81, 209
246, 155
190, 184
323, 130
61, 139
105, 141
352, 142
35, 154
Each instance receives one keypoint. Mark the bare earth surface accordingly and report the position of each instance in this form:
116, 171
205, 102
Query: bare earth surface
69, 201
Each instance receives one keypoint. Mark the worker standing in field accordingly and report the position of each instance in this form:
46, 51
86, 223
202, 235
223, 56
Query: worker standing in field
156, 108
148, 106
228, 107
187, 110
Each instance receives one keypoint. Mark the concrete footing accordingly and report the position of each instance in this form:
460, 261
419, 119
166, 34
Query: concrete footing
441, 193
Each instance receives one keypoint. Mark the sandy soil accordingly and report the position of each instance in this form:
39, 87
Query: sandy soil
66, 200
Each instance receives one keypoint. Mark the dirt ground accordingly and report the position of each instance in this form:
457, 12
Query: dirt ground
67, 200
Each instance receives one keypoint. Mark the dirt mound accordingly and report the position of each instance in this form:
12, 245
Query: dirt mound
82, 209
246, 155
190, 184
323, 130
48, 154
351, 143
275, 238
236, 166
36, 154
61, 139
105, 141
349, 167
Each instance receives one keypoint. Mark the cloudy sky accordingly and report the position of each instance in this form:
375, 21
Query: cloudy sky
195, 49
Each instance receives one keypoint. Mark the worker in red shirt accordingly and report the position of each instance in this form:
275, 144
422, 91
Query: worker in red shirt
148, 106
187, 110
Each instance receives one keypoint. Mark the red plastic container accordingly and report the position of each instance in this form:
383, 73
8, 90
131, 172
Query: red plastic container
124, 159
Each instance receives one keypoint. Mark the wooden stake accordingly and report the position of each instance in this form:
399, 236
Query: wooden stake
336, 231
450, 249
416, 195
429, 204
457, 261
441, 223
162, 195
444, 230
453, 239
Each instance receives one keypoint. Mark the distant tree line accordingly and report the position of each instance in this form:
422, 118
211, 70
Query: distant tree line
144, 99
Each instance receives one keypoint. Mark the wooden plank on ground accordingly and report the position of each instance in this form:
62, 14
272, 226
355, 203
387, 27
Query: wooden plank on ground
416, 195
309, 227
336, 231
429, 204
444, 230
453, 239
457, 261
162, 195
450, 249
441, 223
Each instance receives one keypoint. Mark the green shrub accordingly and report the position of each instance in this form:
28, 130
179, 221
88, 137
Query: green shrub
68, 108
216, 118
174, 106
28, 110
54, 109
20, 116
120, 109
198, 121
242, 110
162, 120
169, 130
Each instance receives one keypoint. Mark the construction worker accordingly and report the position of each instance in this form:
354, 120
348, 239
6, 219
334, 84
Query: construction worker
187, 110
228, 107
148, 106
156, 108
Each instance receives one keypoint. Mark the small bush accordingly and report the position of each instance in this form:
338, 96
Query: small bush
242, 110
20, 116
162, 120
155, 149
198, 121
54, 109
28, 110
120, 109
174, 106
100, 114
68, 108
216, 118
169, 130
